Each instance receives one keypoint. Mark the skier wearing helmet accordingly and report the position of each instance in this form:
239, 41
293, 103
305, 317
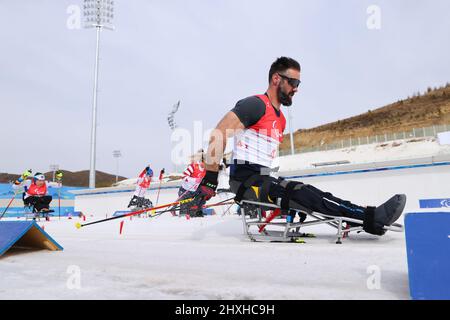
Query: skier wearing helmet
139, 201
36, 190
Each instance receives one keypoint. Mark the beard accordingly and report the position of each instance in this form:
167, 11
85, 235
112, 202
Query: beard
284, 98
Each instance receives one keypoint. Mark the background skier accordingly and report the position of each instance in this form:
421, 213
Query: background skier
192, 177
36, 190
143, 183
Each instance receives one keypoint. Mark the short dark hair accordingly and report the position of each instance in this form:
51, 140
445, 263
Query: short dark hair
282, 64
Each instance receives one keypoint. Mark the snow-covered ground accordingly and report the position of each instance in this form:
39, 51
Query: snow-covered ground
203, 258
210, 258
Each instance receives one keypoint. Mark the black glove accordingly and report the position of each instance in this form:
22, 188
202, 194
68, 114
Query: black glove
208, 186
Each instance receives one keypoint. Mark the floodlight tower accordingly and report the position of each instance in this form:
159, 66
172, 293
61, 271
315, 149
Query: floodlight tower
98, 14
117, 154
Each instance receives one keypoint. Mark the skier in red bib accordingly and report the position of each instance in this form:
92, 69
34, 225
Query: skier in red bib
257, 124
139, 201
36, 191
192, 177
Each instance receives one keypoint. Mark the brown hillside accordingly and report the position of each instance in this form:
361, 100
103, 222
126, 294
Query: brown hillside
73, 179
421, 110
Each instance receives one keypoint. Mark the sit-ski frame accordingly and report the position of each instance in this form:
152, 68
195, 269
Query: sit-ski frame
31, 214
290, 231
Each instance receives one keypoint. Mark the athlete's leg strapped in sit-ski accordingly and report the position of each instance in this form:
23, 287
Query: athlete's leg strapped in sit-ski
296, 195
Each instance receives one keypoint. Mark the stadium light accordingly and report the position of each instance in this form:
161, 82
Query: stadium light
117, 154
98, 14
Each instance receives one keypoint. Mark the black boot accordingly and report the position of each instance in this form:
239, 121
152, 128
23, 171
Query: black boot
147, 204
199, 214
391, 210
133, 201
140, 202
384, 215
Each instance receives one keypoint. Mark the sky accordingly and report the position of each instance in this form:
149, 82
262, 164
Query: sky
209, 54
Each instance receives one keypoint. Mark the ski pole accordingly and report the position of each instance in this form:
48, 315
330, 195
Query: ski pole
159, 188
11, 201
178, 199
59, 176
79, 225
221, 203
229, 207
20, 180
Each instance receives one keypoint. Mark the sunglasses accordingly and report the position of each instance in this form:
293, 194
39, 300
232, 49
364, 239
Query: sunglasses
292, 82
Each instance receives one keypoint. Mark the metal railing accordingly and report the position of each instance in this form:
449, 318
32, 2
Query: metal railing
423, 132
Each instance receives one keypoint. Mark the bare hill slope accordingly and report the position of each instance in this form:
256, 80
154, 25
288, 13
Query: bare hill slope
421, 110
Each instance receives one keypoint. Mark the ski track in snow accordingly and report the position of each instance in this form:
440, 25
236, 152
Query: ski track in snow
206, 258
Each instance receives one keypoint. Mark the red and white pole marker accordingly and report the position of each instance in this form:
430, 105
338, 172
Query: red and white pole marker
121, 227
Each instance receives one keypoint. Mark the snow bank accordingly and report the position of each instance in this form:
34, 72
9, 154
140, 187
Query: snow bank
366, 154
